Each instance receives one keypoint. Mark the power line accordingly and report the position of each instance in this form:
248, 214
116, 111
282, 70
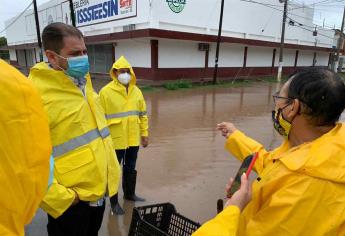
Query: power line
263, 4
330, 5
271, 6
16, 18
314, 25
315, 3
333, 10
299, 26
324, 1
311, 19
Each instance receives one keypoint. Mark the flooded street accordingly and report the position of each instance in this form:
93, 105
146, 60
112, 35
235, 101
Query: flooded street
186, 163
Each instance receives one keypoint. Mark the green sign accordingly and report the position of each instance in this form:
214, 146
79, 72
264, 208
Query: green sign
176, 5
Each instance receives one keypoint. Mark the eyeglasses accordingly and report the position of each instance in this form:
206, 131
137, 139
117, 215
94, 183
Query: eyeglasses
276, 97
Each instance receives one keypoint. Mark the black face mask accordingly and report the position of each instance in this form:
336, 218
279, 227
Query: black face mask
281, 125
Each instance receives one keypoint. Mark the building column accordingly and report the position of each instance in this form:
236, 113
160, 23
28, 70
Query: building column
35, 55
113, 45
329, 59
206, 63
206, 58
26, 59
16, 56
314, 59
296, 58
245, 53
154, 58
273, 60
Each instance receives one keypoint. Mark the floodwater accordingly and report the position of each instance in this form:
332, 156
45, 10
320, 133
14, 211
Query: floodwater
186, 163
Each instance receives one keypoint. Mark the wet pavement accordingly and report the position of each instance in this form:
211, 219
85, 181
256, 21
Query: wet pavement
186, 163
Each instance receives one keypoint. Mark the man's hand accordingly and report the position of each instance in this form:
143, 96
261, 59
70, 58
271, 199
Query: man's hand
226, 128
242, 196
144, 141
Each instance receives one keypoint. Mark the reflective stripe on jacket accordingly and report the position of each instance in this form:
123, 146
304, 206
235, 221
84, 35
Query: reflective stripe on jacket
85, 162
125, 112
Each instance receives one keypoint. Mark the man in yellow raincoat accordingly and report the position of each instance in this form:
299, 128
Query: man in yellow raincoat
85, 169
301, 184
24, 151
125, 110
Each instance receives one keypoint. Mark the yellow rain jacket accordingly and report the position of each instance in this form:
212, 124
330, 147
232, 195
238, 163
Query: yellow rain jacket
85, 162
125, 112
300, 190
24, 151
227, 220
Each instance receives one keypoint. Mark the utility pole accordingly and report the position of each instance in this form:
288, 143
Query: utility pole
71, 7
38, 31
340, 42
314, 57
218, 42
280, 68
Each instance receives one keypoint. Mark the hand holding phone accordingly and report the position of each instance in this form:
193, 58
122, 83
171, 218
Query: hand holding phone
239, 192
246, 167
242, 196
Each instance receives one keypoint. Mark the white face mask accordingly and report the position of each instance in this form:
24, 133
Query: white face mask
124, 78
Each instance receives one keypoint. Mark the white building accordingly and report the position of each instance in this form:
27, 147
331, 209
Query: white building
173, 39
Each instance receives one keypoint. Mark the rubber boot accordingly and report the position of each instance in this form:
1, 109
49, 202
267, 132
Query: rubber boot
115, 206
129, 181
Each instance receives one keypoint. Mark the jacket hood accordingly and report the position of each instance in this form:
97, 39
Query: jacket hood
324, 158
122, 63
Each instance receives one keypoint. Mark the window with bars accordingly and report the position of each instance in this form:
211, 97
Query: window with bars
100, 57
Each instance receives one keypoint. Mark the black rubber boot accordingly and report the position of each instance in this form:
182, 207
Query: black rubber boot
115, 206
129, 181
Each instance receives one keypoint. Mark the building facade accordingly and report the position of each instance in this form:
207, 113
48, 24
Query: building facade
176, 39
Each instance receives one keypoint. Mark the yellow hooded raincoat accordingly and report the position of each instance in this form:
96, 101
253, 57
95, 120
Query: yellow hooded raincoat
85, 162
300, 190
125, 113
24, 151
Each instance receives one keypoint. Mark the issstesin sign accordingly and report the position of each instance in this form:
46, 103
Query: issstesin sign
89, 12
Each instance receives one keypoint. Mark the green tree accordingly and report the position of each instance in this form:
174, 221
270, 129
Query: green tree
4, 54
3, 41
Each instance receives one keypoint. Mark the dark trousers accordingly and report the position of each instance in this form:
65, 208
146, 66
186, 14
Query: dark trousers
78, 220
128, 157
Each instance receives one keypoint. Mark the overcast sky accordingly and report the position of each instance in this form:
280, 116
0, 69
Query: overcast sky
330, 10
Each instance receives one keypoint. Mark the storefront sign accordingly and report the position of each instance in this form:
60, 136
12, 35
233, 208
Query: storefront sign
90, 12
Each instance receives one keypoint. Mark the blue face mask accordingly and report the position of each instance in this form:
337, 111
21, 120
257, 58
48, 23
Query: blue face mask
77, 67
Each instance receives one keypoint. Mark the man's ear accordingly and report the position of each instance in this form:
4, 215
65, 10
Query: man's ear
52, 58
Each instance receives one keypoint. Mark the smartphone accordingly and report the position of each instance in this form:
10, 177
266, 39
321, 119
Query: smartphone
246, 167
